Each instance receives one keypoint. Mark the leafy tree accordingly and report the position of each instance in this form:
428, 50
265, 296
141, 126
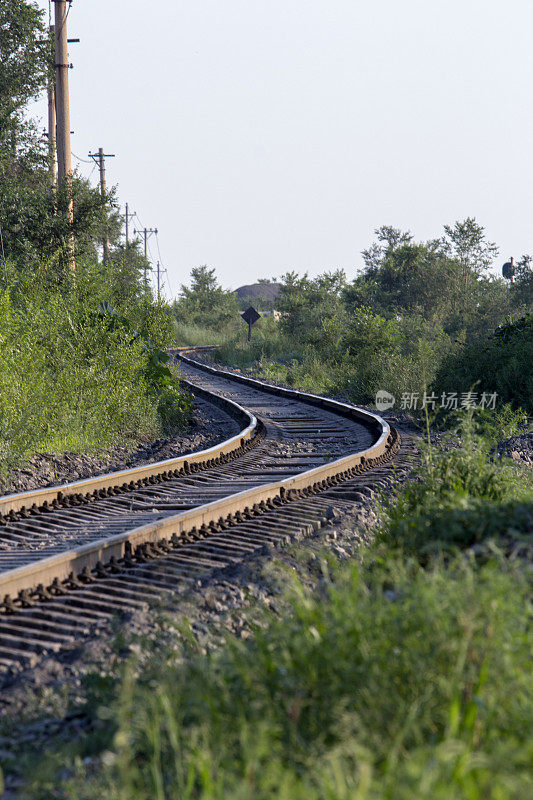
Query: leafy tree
408, 279
466, 243
34, 222
444, 280
205, 302
24, 52
308, 303
389, 239
522, 286
127, 268
32, 212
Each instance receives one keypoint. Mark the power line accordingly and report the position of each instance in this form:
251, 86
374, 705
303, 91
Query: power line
160, 272
84, 160
166, 281
169, 284
165, 270
158, 250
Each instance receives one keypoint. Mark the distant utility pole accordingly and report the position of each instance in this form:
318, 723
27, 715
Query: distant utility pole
129, 214
158, 282
52, 123
64, 157
100, 158
146, 232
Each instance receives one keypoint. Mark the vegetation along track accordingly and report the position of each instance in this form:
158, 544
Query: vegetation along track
73, 556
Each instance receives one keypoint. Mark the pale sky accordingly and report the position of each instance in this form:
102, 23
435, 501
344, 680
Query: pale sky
260, 136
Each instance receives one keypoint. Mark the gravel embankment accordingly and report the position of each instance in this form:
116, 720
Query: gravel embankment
519, 448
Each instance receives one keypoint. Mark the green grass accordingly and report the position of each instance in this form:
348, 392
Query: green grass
460, 496
393, 682
196, 335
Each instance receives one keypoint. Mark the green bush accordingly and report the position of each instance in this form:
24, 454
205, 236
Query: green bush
500, 363
469, 522
71, 381
174, 406
460, 496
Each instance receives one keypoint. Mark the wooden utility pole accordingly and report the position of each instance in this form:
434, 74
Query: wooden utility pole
64, 157
146, 232
52, 123
129, 214
52, 134
100, 158
158, 282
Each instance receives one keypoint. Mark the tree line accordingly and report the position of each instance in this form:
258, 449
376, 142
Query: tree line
413, 316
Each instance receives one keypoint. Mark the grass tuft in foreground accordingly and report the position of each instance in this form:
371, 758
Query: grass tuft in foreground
396, 682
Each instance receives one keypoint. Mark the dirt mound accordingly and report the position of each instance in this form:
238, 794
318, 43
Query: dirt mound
258, 291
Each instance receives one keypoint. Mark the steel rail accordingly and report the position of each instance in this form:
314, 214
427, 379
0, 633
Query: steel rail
344, 409
51, 496
93, 558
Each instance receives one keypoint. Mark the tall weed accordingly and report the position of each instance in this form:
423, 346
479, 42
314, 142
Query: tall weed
68, 381
460, 495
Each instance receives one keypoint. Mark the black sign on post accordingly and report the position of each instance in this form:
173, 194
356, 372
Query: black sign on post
508, 270
250, 316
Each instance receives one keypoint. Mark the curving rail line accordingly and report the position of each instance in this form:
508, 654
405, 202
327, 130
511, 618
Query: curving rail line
74, 555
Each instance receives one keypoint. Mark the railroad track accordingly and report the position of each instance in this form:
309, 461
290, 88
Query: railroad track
73, 556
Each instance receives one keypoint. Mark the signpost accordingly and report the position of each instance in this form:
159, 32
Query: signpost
250, 316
